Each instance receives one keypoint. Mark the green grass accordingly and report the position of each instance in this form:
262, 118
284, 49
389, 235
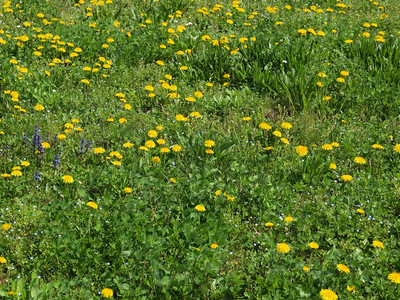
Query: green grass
150, 241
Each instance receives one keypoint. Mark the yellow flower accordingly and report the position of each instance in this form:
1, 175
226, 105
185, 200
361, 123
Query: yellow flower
335, 144
285, 140
209, 143
108, 293
343, 268
348, 41
344, 73
92, 204
16, 173
347, 178
200, 207
150, 144
209, 151
306, 269
39, 107
277, 133
164, 150
360, 211
69, 125
144, 148
152, 133
328, 295
269, 224
351, 289
327, 147
394, 277
360, 160
289, 219
122, 120
214, 246
127, 145
198, 94
264, 126
301, 150
127, 106
313, 245
2, 260
149, 88
397, 148
155, 159
6, 226
179, 118
25, 164
98, 150
116, 163
85, 81
128, 190
246, 119
176, 148
340, 79
5, 175
173, 180
378, 244
377, 146
61, 136
161, 141
46, 145
286, 125
68, 179
283, 248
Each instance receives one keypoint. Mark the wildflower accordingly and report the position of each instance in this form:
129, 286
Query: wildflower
347, 178
209, 151
6, 226
25, 164
378, 244
39, 107
343, 268
198, 94
269, 224
155, 159
264, 126
360, 211
397, 148
2, 260
209, 143
92, 204
328, 295
360, 160
289, 219
173, 180
246, 119
150, 144
285, 140
351, 289
335, 144
122, 120
340, 79
200, 207
277, 133
313, 245
301, 150
283, 248
116, 163
61, 136
164, 150
214, 246
286, 125
98, 150
108, 293
176, 148
128, 190
394, 277
127, 145
179, 118
144, 148
348, 41
344, 73
327, 147
46, 145
68, 179
377, 146
152, 133
149, 88
16, 173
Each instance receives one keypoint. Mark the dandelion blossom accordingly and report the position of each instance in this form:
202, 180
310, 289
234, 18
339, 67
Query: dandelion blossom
394, 277
313, 245
269, 224
214, 246
176, 148
200, 207
283, 248
351, 289
377, 146
397, 148
92, 204
2, 260
6, 226
68, 179
128, 190
360, 160
301, 150
286, 125
343, 268
378, 244
328, 295
39, 107
152, 133
289, 219
264, 126
209, 143
327, 147
107, 293
347, 178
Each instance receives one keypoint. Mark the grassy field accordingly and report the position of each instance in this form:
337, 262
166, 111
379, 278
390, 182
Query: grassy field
199, 149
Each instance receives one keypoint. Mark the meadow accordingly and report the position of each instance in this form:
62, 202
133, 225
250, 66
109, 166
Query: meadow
200, 149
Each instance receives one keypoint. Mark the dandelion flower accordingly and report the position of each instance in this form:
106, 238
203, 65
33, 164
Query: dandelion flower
152, 133
277, 133
283, 248
164, 150
209, 151
39, 107
116, 163
200, 207
347, 178
306, 269
107, 293
335, 144
92, 204
377, 146
6, 226
328, 295
214, 246
344, 73
289, 219
2, 260
176, 148
61, 136
327, 147
246, 119
128, 190
397, 148
394, 277
16, 173
264, 126
127, 145
360, 160
360, 211
209, 143
269, 224
98, 150
285, 140
155, 159
340, 80
173, 180
286, 125
378, 244
313, 245
332, 166
150, 144
351, 289
25, 164
68, 179
343, 268
46, 145
301, 150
